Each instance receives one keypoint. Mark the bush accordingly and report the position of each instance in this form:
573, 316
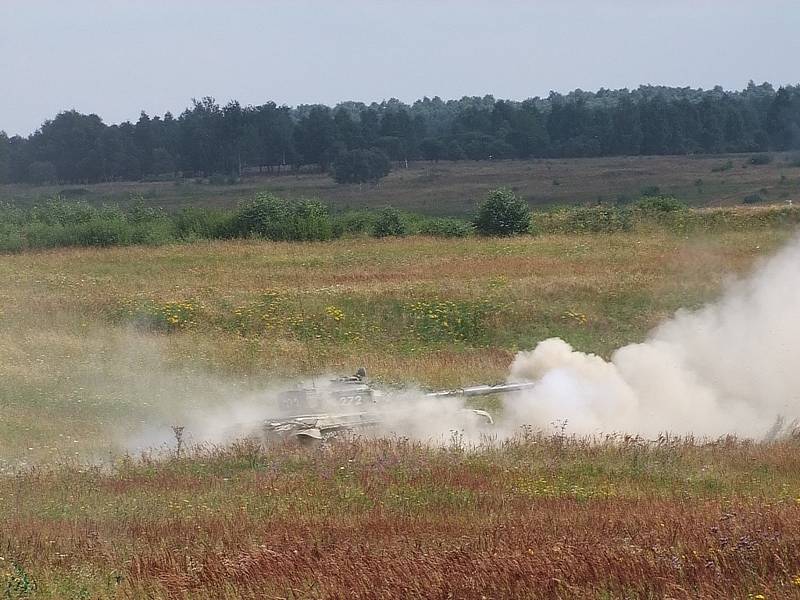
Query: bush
443, 227
101, 232
153, 233
44, 235
309, 221
389, 223
198, 223
726, 166
660, 204
354, 222
11, 240
141, 212
274, 218
58, 212
502, 213
599, 219
594, 219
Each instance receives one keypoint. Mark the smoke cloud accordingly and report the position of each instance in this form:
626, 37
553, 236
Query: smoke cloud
731, 367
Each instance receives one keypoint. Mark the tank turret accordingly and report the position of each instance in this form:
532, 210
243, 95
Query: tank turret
351, 403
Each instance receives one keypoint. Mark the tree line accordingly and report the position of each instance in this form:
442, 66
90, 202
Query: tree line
207, 138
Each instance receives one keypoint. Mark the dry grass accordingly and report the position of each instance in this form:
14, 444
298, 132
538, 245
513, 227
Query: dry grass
538, 517
454, 188
622, 283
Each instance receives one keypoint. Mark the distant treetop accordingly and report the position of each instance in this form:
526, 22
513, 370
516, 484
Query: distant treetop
207, 138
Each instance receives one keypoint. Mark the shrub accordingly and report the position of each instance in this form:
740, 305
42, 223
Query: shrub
152, 233
265, 216
309, 221
599, 219
11, 240
389, 223
278, 219
198, 223
101, 232
58, 212
141, 212
660, 204
45, 235
354, 222
502, 213
444, 227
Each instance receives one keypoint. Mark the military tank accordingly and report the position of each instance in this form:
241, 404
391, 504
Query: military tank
352, 404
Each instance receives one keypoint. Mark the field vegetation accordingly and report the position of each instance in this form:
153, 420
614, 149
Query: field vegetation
535, 517
59, 222
103, 349
453, 188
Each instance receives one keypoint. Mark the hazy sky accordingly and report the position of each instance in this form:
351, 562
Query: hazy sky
115, 58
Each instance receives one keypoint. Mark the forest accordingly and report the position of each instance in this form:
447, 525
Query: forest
228, 140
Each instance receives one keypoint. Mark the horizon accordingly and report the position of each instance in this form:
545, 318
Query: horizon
409, 103
92, 57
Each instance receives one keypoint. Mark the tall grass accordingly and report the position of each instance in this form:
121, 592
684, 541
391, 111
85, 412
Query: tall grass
539, 516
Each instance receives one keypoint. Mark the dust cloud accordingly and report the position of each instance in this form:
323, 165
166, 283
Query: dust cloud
731, 367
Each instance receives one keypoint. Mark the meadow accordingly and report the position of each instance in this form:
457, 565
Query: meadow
453, 188
537, 517
99, 345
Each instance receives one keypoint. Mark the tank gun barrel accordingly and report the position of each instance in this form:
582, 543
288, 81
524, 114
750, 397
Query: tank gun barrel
482, 390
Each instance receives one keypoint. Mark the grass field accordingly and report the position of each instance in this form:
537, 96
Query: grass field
453, 189
534, 518
101, 326
102, 350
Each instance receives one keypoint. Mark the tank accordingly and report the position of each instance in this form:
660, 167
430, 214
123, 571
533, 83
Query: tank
352, 404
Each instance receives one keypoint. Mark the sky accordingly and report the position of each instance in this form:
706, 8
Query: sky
116, 58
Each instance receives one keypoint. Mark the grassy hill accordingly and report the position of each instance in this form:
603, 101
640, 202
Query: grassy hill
452, 189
